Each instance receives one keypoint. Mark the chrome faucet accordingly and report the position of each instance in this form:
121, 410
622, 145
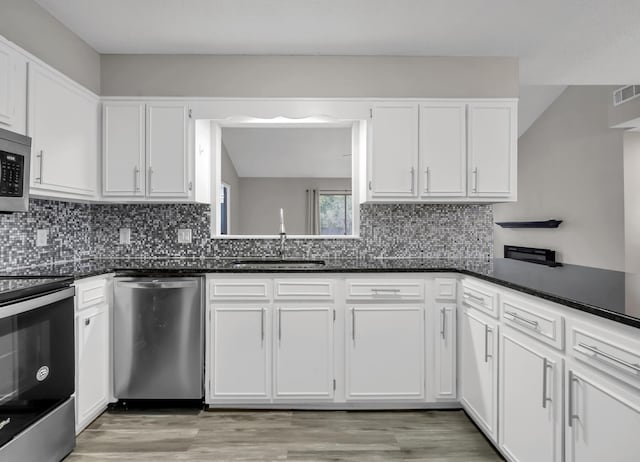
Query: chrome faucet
283, 236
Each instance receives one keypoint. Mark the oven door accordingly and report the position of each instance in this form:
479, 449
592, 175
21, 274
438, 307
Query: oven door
36, 359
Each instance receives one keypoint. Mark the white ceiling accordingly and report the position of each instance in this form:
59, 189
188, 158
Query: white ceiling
289, 152
558, 42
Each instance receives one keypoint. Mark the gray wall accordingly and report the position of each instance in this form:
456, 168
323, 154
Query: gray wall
570, 167
262, 198
312, 76
31, 27
229, 175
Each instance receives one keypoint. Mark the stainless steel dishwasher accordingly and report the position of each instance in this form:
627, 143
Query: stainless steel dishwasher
158, 350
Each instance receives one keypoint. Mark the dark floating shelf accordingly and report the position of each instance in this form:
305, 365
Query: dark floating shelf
530, 224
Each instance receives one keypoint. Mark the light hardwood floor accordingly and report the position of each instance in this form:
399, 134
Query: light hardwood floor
435, 436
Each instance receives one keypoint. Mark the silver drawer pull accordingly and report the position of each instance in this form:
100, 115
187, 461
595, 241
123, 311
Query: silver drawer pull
383, 290
516, 317
598, 352
443, 320
474, 297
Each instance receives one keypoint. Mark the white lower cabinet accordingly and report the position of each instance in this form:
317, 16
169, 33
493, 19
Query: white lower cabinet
385, 347
445, 352
240, 352
303, 352
530, 399
479, 369
92, 349
603, 418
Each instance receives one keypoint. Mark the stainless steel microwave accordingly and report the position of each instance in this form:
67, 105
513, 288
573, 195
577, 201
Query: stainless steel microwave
15, 157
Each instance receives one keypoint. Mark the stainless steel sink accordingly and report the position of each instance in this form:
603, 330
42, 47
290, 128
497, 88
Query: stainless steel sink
278, 264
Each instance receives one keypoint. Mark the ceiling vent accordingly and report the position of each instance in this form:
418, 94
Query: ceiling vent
624, 94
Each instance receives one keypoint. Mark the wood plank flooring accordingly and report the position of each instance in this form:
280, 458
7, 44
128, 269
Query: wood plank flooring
434, 436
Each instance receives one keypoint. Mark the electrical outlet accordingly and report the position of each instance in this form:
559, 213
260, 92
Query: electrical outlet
125, 236
184, 236
42, 237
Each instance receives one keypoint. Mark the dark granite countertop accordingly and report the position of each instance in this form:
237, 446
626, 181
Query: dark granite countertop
605, 293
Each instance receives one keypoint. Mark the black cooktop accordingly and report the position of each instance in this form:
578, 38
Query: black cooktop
13, 288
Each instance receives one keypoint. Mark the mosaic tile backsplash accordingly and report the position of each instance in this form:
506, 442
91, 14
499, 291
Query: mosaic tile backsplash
92, 230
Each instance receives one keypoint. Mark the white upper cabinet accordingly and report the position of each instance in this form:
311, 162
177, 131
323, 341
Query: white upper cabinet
492, 147
145, 151
394, 151
443, 150
13, 89
167, 160
123, 147
63, 124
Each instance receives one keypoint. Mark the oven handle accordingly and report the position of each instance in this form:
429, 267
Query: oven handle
36, 302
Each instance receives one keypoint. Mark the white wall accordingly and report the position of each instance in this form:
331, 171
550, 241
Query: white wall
570, 167
262, 198
34, 29
311, 76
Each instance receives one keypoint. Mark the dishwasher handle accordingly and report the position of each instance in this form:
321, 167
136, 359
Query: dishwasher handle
158, 284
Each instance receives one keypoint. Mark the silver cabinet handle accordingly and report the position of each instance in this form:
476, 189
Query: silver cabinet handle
516, 317
598, 352
191, 186
353, 325
443, 320
413, 179
545, 366
474, 297
382, 289
279, 325
571, 415
39, 156
87, 321
370, 185
426, 179
150, 175
487, 329
262, 324
474, 180
136, 178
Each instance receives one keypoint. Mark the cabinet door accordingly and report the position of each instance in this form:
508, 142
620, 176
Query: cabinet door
443, 149
7, 79
385, 352
167, 160
445, 351
63, 122
479, 381
304, 352
123, 157
530, 400
92, 379
394, 150
492, 149
603, 419
241, 359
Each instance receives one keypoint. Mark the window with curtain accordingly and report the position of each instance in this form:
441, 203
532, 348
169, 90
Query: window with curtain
335, 217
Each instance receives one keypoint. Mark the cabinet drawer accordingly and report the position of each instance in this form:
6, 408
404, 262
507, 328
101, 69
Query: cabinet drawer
445, 289
303, 289
91, 293
481, 297
240, 289
385, 289
608, 352
533, 319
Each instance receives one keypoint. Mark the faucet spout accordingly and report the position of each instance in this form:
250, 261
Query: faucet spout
283, 235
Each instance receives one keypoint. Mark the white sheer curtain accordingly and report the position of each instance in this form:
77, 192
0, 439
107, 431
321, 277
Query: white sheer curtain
313, 212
